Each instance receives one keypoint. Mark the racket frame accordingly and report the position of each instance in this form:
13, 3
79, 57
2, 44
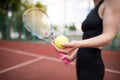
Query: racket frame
50, 36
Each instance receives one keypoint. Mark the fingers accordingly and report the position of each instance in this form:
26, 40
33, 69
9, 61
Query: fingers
63, 57
66, 44
55, 47
65, 50
70, 44
66, 58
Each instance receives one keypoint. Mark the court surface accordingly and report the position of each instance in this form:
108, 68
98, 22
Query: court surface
32, 61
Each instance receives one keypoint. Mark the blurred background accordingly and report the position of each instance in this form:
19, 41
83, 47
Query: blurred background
66, 16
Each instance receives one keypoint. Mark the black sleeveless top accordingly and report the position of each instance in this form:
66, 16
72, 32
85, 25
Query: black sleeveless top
93, 24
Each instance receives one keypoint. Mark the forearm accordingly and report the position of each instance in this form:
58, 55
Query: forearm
110, 28
73, 55
97, 41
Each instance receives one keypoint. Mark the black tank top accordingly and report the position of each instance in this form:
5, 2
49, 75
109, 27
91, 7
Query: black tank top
93, 24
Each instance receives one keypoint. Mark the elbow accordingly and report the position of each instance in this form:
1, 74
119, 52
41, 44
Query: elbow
109, 42
109, 39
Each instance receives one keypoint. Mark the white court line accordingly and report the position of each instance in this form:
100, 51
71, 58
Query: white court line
112, 71
31, 54
20, 65
47, 58
19, 52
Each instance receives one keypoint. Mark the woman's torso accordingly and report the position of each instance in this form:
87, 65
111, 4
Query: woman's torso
93, 24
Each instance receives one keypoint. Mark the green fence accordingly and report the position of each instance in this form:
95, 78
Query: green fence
12, 28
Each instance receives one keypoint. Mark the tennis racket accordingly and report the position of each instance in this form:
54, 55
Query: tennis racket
38, 24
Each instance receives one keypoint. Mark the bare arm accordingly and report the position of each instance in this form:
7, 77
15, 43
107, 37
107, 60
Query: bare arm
111, 21
110, 26
72, 56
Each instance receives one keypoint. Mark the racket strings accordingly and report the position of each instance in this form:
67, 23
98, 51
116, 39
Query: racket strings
38, 23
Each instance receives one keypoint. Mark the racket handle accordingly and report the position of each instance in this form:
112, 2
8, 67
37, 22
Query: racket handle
66, 61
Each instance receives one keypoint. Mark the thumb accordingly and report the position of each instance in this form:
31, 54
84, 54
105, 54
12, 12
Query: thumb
67, 44
70, 44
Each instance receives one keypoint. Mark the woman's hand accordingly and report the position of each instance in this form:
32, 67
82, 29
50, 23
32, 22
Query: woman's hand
69, 47
70, 57
73, 43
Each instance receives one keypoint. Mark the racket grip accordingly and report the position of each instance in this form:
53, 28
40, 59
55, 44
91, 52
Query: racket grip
66, 61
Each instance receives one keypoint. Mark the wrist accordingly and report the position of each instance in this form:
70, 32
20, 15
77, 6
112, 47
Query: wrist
71, 58
78, 44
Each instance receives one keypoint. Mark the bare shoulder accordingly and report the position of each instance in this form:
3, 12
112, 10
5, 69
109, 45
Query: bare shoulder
111, 15
113, 1
114, 7
113, 4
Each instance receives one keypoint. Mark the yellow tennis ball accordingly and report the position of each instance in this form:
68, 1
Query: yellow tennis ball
59, 40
